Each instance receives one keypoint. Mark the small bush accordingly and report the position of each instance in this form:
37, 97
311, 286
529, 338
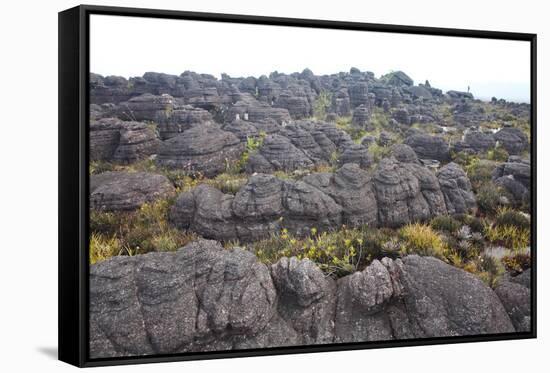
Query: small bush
322, 104
479, 172
511, 237
135, 232
489, 198
498, 154
228, 183
98, 167
337, 252
508, 217
252, 145
422, 240
102, 248
492, 270
517, 263
378, 151
445, 223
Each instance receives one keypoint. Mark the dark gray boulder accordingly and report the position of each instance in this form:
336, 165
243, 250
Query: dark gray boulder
476, 142
204, 149
361, 116
112, 139
356, 153
200, 298
255, 111
515, 295
404, 153
359, 94
401, 115
262, 206
296, 102
441, 300
362, 298
515, 177
277, 153
456, 188
351, 188
512, 139
398, 79
115, 191
306, 299
207, 298
429, 147
181, 119
406, 192
110, 89
244, 129
147, 107
340, 103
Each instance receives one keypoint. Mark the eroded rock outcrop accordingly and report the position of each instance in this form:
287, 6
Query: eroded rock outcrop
406, 192
204, 149
204, 297
456, 188
515, 177
429, 147
515, 295
114, 140
512, 139
116, 191
395, 194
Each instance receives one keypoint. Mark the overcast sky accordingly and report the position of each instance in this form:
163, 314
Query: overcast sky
130, 46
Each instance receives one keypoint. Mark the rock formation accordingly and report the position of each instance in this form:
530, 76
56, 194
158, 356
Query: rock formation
124, 142
396, 194
115, 191
207, 298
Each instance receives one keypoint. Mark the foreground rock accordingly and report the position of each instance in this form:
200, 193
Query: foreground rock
515, 295
205, 298
120, 191
396, 194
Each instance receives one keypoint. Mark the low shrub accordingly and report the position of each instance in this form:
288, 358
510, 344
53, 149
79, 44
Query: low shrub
336, 252
498, 154
509, 236
378, 151
517, 263
135, 232
509, 217
227, 183
102, 247
479, 172
322, 104
489, 198
445, 223
421, 239
98, 167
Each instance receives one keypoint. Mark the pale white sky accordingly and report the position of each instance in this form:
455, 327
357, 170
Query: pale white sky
129, 46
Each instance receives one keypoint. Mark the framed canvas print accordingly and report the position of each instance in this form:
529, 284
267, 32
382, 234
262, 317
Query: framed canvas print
237, 185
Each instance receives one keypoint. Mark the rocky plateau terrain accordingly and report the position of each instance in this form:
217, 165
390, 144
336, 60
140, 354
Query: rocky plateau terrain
300, 209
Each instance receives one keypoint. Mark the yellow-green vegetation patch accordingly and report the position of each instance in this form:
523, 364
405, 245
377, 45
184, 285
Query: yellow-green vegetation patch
135, 232
421, 239
336, 252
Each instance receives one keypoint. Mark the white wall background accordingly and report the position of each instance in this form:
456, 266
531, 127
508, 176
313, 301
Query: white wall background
28, 186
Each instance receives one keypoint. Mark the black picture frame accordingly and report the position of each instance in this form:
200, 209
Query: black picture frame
74, 179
